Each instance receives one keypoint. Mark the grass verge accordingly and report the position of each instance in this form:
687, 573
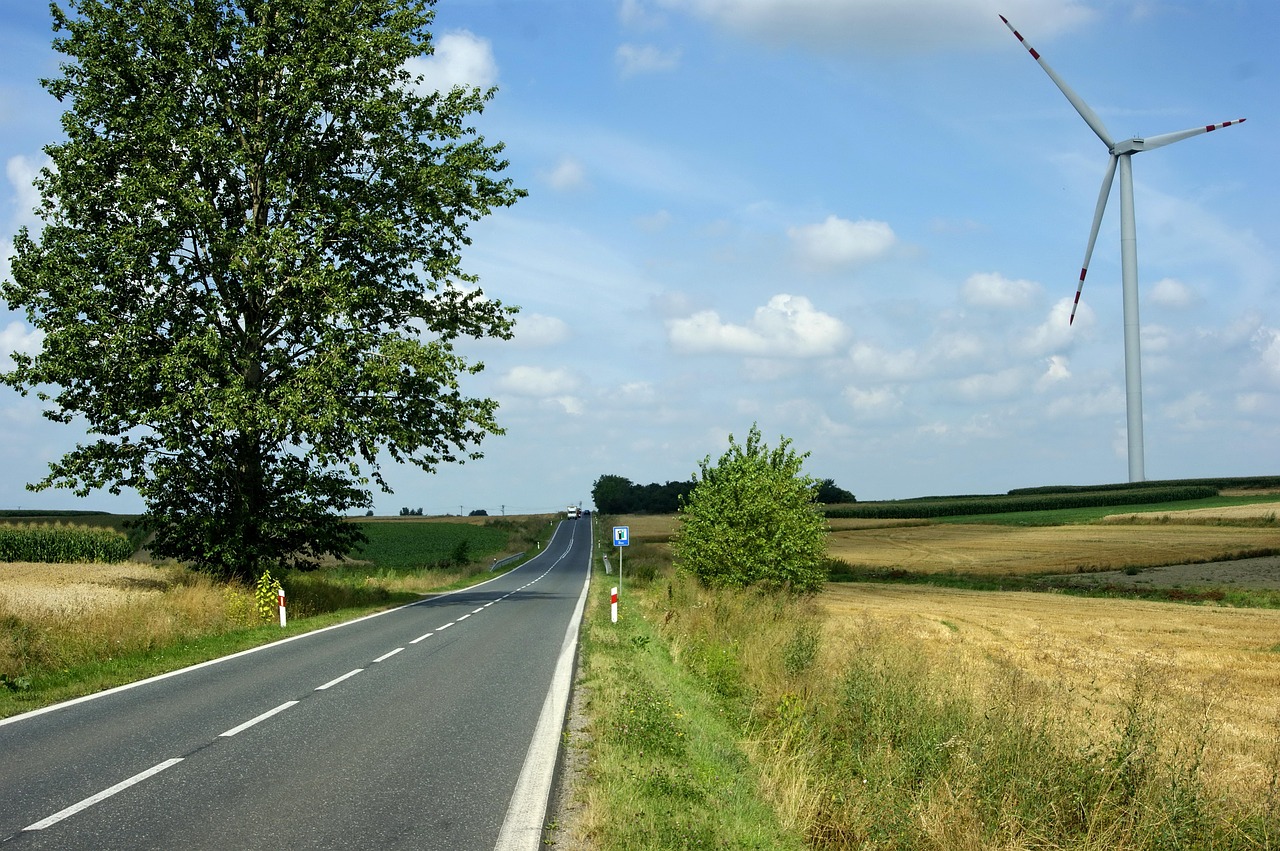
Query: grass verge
707, 705
665, 767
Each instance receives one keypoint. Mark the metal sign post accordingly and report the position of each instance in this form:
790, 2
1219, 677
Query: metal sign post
621, 538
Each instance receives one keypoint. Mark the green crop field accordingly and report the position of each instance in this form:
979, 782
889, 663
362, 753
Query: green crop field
408, 545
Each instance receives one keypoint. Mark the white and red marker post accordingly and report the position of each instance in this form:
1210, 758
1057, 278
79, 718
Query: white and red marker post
613, 605
280, 595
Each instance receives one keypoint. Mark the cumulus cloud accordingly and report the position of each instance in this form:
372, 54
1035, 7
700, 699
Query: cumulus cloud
875, 363
17, 337
633, 59
538, 382
840, 242
1057, 370
535, 329
788, 326
873, 403
461, 58
567, 174
1267, 343
1169, 292
875, 26
991, 289
1056, 333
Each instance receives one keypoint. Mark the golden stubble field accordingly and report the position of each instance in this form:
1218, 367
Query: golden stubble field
1212, 672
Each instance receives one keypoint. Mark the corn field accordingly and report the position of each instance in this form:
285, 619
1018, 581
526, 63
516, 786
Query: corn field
62, 544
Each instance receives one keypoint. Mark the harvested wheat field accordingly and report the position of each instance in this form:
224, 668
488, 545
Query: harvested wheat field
1212, 673
37, 589
1035, 550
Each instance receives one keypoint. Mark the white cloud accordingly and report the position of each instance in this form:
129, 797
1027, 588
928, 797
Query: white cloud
986, 387
788, 326
1057, 371
535, 329
873, 403
991, 289
840, 242
1169, 292
1056, 333
17, 337
461, 58
877, 364
1267, 343
633, 59
538, 382
847, 26
568, 174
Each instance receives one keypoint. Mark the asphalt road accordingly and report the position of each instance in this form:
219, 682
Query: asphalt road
408, 729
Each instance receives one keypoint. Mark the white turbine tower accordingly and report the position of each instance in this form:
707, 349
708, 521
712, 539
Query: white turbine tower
1120, 153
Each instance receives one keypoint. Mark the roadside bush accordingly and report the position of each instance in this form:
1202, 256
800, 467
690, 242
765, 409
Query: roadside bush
752, 519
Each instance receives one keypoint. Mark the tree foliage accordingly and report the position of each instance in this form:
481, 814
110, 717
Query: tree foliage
752, 519
619, 495
248, 280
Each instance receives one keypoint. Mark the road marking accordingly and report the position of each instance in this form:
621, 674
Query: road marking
464, 617
347, 675
422, 638
263, 717
477, 611
103, 795
446, 626
385, 656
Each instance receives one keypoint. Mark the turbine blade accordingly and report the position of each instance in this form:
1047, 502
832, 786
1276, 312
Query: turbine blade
1169, 138
1103, 195
1090, 117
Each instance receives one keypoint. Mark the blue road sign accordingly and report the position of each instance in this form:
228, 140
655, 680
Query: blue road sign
622, 536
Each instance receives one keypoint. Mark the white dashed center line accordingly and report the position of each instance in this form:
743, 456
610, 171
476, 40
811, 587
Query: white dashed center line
334, 682
263, 717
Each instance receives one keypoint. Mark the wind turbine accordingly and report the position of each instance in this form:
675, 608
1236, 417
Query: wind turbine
1120, 152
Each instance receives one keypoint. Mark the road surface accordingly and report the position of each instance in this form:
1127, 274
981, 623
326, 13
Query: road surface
408, 729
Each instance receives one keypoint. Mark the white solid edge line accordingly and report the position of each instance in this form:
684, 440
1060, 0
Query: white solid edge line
263, 717
348, 675
522, 826
125, 687
103, 795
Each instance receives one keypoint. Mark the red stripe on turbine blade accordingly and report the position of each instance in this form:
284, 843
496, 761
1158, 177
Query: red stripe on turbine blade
1083, 272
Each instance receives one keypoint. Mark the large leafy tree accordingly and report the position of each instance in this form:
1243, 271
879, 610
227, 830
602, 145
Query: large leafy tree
753, 519
248, 279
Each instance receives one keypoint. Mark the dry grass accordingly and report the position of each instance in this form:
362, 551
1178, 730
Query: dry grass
1003, 550
1214, 672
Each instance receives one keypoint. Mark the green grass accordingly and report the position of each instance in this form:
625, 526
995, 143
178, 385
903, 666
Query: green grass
664, 754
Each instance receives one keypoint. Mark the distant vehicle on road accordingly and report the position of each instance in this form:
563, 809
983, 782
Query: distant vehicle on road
573, 512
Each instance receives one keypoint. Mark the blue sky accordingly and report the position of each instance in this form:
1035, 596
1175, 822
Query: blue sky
858, 223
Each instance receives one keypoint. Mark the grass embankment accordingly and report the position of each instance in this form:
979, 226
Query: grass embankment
863, 729
73, 629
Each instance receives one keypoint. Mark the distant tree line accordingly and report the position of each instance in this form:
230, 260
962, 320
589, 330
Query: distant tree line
619, 495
